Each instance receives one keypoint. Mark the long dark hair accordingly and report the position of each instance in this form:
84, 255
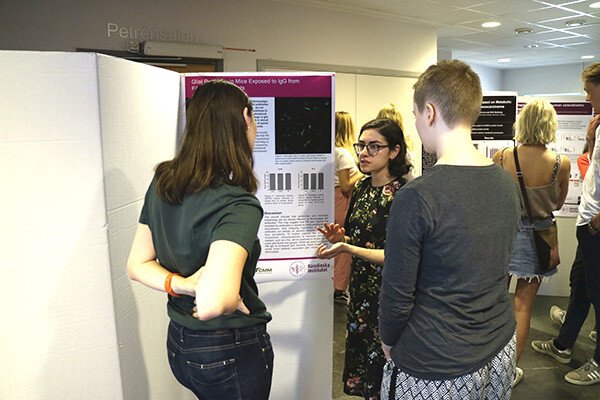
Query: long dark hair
215, 148
393, 134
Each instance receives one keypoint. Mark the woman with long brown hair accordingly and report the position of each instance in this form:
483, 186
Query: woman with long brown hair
197, 241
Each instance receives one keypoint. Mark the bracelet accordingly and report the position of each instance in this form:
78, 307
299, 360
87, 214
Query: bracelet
168, 287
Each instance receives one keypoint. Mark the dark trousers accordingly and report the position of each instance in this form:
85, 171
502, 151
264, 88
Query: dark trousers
226, 364
585, 289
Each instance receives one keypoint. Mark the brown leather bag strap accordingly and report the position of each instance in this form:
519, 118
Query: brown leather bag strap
522, 184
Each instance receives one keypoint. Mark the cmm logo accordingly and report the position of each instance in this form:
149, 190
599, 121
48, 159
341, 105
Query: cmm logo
297, 269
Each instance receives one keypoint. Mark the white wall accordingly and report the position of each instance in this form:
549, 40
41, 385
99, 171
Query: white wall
552, 79
491, 78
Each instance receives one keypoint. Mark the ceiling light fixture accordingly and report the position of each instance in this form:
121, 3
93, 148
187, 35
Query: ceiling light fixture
491, 24
504, 60
595, 5
586, 57
575, 23
522, 31
531, 46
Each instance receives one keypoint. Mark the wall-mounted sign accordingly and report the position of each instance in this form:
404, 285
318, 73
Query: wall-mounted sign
141, 34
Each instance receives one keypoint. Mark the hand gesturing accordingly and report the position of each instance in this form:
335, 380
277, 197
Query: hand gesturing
333, 232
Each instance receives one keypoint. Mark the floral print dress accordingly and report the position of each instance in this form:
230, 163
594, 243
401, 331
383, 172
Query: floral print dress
365, 225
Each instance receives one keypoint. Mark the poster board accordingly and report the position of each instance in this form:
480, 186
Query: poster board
493, 129
497, 117
293, 161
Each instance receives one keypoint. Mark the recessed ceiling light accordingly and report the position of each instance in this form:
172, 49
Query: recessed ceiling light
586, 57
595, 5
503, 60
575, 23
531, 46
491, 24
522, 31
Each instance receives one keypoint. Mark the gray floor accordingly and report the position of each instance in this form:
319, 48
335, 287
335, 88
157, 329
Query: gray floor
543, 378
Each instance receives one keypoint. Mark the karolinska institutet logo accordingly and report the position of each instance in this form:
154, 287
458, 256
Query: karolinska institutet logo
297, 269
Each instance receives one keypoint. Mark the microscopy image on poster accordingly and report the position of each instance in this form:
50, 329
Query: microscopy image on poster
293, 161
302, 125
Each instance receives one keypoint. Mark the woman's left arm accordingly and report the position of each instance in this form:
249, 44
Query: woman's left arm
563, 180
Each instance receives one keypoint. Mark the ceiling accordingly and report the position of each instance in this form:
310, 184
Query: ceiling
458, 25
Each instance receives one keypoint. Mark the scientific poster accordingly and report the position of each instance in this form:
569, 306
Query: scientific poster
497, 116
492, 130
293, 161
573, 114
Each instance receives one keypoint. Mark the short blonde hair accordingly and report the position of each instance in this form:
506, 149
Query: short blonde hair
537, 123
591, 74
391, 111
344, 130
455, 89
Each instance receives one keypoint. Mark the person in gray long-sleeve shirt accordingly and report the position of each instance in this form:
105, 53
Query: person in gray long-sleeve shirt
445, 317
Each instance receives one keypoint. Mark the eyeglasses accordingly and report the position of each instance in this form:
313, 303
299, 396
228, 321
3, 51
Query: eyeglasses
372, 148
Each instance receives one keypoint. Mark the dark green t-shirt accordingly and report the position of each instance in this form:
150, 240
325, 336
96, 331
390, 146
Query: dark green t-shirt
182, 235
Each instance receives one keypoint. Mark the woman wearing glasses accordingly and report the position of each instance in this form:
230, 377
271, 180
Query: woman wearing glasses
381, 152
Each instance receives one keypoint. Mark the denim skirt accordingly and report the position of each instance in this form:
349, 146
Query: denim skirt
523, 260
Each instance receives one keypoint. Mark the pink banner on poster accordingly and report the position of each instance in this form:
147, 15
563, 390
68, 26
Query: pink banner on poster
269, 85
568, 107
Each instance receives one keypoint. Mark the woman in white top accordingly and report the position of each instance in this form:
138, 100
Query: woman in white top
347, 174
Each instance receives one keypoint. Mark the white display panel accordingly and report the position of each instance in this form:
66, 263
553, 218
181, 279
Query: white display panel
58, 339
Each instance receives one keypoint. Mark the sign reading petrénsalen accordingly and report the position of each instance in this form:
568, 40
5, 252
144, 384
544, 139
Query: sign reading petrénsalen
114, 30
